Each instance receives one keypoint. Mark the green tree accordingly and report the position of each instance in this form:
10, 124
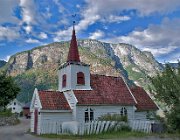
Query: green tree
166, 86
8, 90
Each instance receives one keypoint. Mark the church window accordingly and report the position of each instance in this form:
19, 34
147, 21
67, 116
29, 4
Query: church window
123, 111
80, 78
64, 81
89, 115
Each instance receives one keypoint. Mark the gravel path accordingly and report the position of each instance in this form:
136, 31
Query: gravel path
17, 132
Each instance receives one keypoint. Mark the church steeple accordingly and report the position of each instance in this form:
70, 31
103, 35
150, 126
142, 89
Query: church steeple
74, 74
73, 55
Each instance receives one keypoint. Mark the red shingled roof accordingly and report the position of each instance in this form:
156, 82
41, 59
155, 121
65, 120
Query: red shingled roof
106, 90
144, 102
53, 100
73, 55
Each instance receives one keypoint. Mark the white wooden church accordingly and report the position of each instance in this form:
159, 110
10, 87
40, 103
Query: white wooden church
83, 97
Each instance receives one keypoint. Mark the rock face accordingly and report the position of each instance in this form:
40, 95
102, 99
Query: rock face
38, 67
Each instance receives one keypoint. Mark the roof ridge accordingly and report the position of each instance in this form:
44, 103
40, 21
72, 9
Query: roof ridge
106, 75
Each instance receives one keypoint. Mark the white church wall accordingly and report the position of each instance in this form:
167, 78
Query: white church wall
140, 115
144, 115
56, 116
103, 110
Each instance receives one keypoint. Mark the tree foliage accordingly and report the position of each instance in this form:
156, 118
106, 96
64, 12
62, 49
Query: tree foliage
166, 86
8, 90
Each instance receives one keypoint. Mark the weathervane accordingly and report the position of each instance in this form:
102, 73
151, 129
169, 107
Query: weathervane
74, 20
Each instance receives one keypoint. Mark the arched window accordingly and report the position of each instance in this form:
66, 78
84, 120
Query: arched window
80, 78
88, 115
123, 111
64, 80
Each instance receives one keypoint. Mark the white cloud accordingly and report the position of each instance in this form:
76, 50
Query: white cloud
8, 33
89, 17
7, 58
97, 35
63, 35
30, 40
160, 51
61, 7
28, 14
113, 18
28, 29
43, 35
97, 10
174, 58
6, 10
143, 7
159, 39
78, 6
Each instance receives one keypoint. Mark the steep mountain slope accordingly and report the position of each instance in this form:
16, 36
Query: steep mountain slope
2, 63
38, 67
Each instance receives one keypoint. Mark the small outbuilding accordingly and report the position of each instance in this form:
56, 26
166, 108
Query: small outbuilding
15, 106
26, 110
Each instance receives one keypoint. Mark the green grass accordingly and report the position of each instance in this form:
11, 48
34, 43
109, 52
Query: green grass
6, 113
107, 135
167, 135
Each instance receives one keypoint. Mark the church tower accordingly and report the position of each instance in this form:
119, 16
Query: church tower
74, 74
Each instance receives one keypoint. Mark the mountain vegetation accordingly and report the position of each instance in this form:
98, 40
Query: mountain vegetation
38, 67
166, 86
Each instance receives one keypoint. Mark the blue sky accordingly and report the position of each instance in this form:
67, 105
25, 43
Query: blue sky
150, 25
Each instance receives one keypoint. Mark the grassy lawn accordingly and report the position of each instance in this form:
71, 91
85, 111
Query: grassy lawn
108, 135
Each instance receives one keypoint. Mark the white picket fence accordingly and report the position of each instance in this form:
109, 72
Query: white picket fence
51, 127
141, 125
94, 127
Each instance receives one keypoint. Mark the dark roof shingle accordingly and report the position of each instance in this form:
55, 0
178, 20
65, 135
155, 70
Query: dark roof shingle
106, 90
53, 100
144, 102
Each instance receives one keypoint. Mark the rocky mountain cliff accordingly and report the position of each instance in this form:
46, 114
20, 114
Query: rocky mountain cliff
38, 67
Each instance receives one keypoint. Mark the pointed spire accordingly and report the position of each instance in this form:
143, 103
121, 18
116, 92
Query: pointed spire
73, 55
